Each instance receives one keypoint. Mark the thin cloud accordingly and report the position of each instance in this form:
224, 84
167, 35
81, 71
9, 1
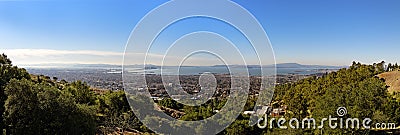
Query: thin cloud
46, 56
40, 56
48, 52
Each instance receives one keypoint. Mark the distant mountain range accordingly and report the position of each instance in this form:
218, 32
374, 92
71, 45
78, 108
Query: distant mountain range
296, 65
290, 65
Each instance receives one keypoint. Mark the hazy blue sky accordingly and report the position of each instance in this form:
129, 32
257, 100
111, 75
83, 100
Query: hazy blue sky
328, 32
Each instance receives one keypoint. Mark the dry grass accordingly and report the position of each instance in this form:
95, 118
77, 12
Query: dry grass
392, 80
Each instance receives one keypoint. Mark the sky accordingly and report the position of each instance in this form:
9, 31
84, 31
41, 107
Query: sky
329, 32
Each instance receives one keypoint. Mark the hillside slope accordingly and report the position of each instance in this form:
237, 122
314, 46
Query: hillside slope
392, 80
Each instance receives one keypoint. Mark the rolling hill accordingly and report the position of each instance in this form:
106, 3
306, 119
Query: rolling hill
392, 80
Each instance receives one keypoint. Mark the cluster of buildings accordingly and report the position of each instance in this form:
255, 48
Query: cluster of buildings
269, 110
104, 79
109, 80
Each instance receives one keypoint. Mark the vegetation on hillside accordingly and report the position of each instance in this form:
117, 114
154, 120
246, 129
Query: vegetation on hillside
357, 88
37, 104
